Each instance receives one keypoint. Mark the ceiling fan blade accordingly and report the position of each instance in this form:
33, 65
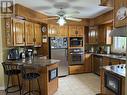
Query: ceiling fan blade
73, 19
51, 18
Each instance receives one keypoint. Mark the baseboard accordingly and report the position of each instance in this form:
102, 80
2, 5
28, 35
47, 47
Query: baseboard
2, 88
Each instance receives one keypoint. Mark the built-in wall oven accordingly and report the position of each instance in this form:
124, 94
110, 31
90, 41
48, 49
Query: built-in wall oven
113, 83
76, 56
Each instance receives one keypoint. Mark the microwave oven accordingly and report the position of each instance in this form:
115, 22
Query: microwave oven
76, 42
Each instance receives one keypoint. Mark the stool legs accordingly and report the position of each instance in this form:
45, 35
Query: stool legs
30, 90
39, 87
19, 86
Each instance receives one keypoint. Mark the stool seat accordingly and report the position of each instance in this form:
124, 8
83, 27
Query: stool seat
12, 72
31, 76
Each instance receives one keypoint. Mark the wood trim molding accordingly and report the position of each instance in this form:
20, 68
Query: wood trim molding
30, 14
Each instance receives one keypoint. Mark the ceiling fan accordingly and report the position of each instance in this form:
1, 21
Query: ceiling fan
63, 17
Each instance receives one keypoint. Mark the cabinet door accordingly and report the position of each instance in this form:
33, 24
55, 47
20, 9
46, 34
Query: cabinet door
93, 36
53, 30
38, 35
80, 30
18, 31
8, 30
101, 34
115, 61
29, 33
106, 61
87, 62
72, 31
63, 31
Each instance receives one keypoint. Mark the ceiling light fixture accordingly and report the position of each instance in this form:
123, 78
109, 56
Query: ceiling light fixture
61, 21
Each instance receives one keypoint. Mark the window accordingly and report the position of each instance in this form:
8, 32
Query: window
119, 44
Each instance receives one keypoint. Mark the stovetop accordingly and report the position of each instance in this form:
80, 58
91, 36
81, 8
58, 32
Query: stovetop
117, 69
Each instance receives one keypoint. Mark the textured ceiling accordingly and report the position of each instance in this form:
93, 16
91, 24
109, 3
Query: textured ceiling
79, 8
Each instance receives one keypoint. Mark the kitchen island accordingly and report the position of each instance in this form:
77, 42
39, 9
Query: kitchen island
48, 70
113, 80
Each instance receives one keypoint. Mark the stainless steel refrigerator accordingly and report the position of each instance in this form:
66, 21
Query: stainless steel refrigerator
59, 50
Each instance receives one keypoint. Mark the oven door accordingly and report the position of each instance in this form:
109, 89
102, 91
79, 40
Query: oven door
113, 83
76, 58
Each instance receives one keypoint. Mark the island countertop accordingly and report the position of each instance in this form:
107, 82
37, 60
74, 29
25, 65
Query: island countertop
36, 61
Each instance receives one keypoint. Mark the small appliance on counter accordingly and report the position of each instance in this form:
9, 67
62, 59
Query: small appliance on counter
13, 54
29, 53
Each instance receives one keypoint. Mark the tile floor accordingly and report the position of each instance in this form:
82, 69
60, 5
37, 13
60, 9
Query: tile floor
80, 84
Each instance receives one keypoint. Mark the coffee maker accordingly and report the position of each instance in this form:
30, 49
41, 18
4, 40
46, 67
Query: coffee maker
13, 54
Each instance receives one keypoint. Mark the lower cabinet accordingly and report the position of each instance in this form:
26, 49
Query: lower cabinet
76, 69
88, 62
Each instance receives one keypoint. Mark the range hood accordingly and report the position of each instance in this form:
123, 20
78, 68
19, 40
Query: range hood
119, 32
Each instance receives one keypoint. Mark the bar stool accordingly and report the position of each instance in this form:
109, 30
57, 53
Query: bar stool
30, 76
10, 70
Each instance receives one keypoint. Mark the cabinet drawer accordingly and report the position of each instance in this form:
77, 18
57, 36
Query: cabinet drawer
76, 69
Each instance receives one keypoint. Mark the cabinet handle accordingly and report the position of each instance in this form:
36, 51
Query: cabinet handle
23, 39
34, 40
76, 32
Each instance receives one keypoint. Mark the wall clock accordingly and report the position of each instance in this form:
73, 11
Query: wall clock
121, 13
43, 29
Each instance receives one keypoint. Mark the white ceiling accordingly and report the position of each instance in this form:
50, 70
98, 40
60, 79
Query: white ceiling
80, 8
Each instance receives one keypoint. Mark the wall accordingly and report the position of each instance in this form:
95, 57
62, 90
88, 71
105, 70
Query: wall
1, 59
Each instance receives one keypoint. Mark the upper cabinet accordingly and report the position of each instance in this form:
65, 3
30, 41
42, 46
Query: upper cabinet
18, 31
22, 33
57, 31
38, 34
63, 31
120, 13
76, 31
8, 32
93, 35
53, 30
103, 34
29, 33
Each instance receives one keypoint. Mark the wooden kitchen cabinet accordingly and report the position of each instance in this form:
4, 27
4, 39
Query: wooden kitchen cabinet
104, 34
76, 31
8, 31
53, 30
77, 69
117, 5
18, 31
57, 31
93, 35
106, 61
29, 33
37, 35
80, 30
63, 31
88, 62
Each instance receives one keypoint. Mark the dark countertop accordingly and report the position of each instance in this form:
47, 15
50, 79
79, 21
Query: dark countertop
36, 61
117, 69
111, 56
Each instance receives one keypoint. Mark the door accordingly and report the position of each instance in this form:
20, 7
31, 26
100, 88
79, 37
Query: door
38, 35
29, 33
18, 31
